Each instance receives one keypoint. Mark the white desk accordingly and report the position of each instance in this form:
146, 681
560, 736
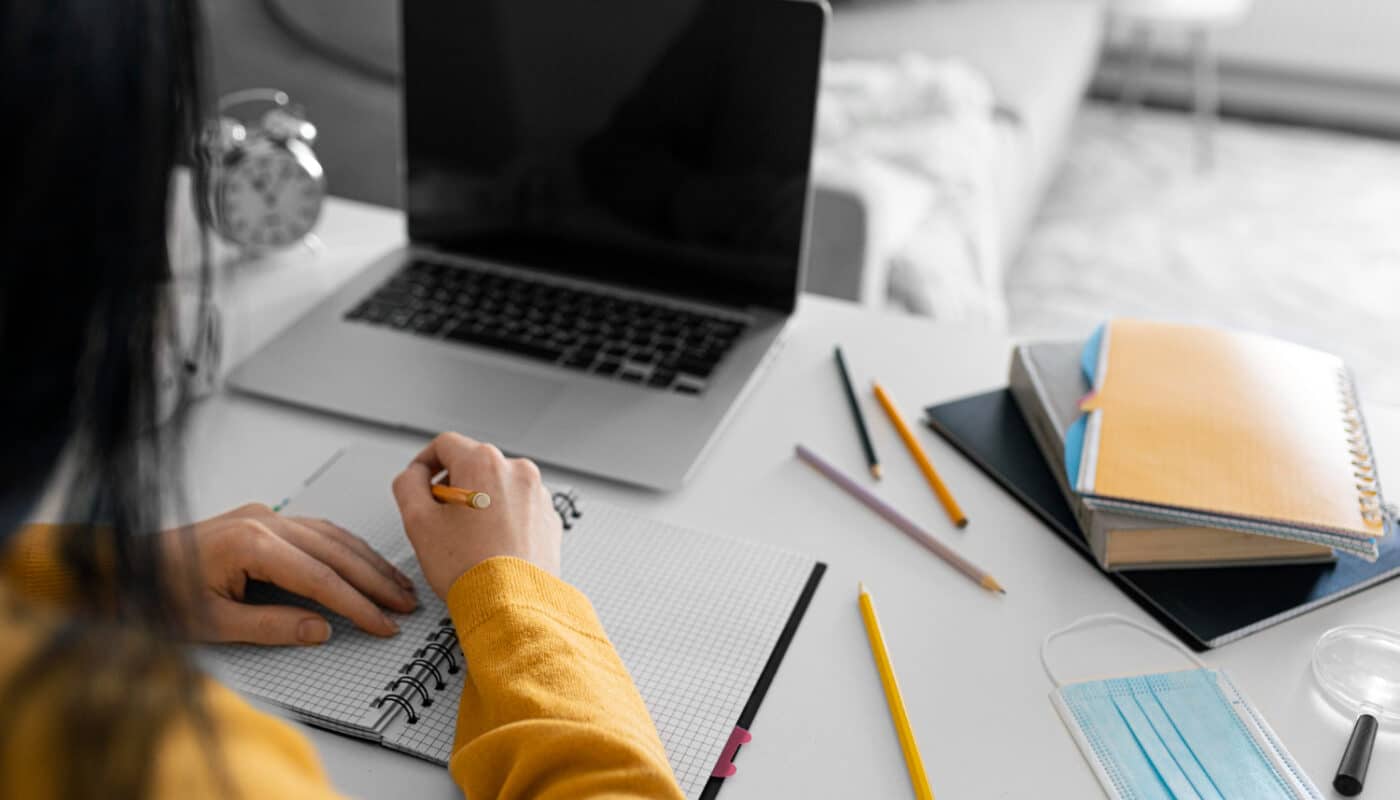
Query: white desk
968, 661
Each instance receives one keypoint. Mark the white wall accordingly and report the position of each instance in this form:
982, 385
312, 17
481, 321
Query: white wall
1344, 38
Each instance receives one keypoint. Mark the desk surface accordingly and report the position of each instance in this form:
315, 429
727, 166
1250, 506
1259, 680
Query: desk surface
968, 661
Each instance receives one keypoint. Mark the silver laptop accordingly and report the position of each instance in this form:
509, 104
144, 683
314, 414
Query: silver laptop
607, 207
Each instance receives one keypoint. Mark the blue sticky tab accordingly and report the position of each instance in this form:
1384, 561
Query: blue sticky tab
1074, 437
1089, 357
1074, 449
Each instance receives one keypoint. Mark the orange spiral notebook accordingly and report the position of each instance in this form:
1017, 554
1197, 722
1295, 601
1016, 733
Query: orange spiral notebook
1198, 425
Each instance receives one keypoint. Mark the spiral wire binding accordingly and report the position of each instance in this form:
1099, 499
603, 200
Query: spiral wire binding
566, 506
399, 701
438, 683
413, 675
438, 649
1368, 483
415, 684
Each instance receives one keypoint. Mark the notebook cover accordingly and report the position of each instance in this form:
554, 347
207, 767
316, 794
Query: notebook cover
1047, 383
770, 670
1205, 608
1220, 423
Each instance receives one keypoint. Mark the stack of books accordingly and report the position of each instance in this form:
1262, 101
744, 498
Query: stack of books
1225, 481
1180, 446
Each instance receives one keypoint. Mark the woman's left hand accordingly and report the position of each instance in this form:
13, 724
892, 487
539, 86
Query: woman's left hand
310, 557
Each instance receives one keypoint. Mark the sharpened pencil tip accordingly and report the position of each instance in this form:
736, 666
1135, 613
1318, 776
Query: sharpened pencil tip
876, 471
962, 523
861, 586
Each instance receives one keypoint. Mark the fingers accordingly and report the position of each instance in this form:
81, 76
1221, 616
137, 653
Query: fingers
359, 546
445, 449
414, 494
278, 561
272, 625
358, 570
465, 459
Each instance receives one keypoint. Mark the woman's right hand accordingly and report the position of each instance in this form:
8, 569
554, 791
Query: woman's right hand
451, 539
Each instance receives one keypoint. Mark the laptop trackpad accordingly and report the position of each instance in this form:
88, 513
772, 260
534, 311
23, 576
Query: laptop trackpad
492, 403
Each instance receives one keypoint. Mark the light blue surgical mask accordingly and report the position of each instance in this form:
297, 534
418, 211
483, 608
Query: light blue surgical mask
1187, 735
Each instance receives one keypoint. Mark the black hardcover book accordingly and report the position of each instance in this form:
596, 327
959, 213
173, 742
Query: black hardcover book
1205, 608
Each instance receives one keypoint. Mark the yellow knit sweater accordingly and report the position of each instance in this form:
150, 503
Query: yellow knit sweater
548, 711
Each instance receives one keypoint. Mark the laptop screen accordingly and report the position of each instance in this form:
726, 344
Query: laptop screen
658, 144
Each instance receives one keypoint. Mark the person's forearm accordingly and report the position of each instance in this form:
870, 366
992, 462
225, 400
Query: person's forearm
548, 710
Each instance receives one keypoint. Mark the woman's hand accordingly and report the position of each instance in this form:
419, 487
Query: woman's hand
309, 557
451, 539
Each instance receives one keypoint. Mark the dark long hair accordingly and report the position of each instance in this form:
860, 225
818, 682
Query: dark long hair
100, 101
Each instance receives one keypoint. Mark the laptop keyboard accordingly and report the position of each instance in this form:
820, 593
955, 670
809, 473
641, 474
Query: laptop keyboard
660, 346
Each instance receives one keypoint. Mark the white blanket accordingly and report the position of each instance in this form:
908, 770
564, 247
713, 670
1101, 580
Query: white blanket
1293, 233
914, 138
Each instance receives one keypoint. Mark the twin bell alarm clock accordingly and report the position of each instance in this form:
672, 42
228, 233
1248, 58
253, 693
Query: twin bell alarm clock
266, 185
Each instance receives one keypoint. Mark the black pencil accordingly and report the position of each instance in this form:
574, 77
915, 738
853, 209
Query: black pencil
855, 412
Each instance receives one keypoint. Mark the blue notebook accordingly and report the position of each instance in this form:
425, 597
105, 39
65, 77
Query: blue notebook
1204, 607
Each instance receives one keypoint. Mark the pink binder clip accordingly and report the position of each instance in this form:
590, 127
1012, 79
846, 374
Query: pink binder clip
725, 768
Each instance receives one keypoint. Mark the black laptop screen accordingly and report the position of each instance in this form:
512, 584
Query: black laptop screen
660, 144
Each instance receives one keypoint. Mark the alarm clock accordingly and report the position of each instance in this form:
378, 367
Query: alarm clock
266, 185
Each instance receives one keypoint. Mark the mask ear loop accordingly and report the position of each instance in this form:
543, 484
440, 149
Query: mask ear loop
1107, 619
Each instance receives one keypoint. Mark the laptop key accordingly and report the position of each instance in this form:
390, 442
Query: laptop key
369, 312
579, 360
537, 350
697, 367
426, 323
393, 297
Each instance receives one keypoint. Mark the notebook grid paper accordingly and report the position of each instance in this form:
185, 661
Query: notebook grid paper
695, 618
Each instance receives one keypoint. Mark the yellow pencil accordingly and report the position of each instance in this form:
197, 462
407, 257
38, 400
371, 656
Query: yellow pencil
892, 697
950, 505
461, 497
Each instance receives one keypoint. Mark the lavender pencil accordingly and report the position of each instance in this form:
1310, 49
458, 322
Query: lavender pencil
895, 518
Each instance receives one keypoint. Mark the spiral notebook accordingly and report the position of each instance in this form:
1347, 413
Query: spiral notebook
1202, 426
665, 596
1048, 383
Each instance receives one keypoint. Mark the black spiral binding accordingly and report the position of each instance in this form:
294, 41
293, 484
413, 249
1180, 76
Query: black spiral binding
423, 674
429, 659
566, 506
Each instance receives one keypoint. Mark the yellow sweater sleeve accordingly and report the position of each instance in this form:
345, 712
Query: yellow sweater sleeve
257, 755
548, 710
30, 567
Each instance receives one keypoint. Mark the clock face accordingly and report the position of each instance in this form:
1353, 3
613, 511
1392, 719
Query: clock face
272, 196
